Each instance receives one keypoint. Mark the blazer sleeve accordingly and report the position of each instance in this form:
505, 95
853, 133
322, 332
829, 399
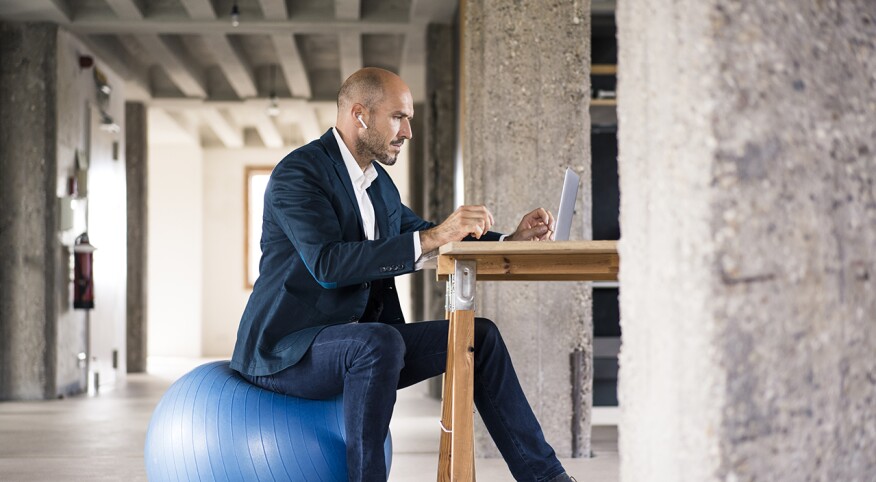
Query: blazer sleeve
299, 197
410, 222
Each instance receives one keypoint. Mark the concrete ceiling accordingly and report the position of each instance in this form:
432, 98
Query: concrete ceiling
215, 80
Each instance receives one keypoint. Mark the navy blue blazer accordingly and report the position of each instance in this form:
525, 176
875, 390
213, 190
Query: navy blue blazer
317, 264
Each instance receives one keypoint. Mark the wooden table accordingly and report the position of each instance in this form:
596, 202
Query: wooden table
462, 264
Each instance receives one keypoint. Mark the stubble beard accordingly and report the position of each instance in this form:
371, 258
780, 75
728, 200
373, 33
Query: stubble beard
370, 146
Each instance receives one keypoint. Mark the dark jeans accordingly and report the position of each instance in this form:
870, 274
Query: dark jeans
367, 362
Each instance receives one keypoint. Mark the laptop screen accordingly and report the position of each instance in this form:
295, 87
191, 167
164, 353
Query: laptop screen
567, 206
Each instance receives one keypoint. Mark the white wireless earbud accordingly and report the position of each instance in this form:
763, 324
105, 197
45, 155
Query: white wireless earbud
361, 121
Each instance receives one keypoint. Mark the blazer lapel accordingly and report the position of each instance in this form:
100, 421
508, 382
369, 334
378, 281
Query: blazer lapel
334, 152
380, 215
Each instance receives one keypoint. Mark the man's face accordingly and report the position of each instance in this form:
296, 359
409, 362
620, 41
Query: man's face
389, 125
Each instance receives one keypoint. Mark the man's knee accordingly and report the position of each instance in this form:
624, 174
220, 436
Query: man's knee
383, 342
488, 343
485, 329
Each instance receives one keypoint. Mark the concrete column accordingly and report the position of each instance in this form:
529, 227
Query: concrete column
525, 71
415, 181
440, 116
136, 172
433, 175
28, 218
748, 211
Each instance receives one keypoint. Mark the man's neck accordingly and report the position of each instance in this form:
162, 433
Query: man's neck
363, 164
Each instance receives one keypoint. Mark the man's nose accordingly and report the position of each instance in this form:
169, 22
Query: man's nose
405, 130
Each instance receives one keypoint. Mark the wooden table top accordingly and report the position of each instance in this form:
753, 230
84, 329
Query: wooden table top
534, 260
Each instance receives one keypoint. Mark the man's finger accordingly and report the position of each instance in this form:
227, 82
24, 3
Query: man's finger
547, 217
535, 233
538, 215
542, 214
482, 214
488, 216
478, 218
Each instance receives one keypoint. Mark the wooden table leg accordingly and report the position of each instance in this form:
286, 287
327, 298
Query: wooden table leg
462, 440
447, 410
456, 452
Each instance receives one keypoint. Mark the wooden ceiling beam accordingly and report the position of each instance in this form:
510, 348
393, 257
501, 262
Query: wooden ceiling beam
230, 135
233, 65
175, 62
348, 9
127, 9
268, 131
199, 9
308, 123
187, 26
135, 76
274, 9
56, 11
350, 50
292, 66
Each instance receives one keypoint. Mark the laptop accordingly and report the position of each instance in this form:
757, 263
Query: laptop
567, 206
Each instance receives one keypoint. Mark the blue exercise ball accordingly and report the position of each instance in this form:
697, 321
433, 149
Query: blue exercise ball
214, 425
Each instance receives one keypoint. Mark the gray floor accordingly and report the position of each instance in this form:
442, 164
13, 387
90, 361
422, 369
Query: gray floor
101, 438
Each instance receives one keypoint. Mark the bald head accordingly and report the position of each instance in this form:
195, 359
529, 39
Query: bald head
367, 87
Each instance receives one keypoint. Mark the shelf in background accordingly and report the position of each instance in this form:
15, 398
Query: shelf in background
603, 102
603, 69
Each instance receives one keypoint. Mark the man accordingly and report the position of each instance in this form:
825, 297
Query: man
324, 317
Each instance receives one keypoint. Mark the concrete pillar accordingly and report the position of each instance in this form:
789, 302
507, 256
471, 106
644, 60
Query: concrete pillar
432, 185
748, 211
417, 196
136, 172
525, 71
440, 141
28, 218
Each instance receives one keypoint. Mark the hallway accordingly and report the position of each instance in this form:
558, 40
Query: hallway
101, 438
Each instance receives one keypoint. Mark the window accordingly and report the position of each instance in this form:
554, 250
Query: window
256, 179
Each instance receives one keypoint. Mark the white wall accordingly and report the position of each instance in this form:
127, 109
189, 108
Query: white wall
225, 293
175, 247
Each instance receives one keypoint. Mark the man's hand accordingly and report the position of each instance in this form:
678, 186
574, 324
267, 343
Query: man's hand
536, 226
473, 220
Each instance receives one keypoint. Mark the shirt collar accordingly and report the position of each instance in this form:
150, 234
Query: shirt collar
361, 179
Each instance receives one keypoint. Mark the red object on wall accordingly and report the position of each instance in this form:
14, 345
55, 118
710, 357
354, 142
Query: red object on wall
83, 273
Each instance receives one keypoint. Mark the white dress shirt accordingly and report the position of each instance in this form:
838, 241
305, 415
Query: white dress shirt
361, 182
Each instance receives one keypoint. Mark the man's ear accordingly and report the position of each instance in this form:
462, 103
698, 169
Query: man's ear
360, 115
